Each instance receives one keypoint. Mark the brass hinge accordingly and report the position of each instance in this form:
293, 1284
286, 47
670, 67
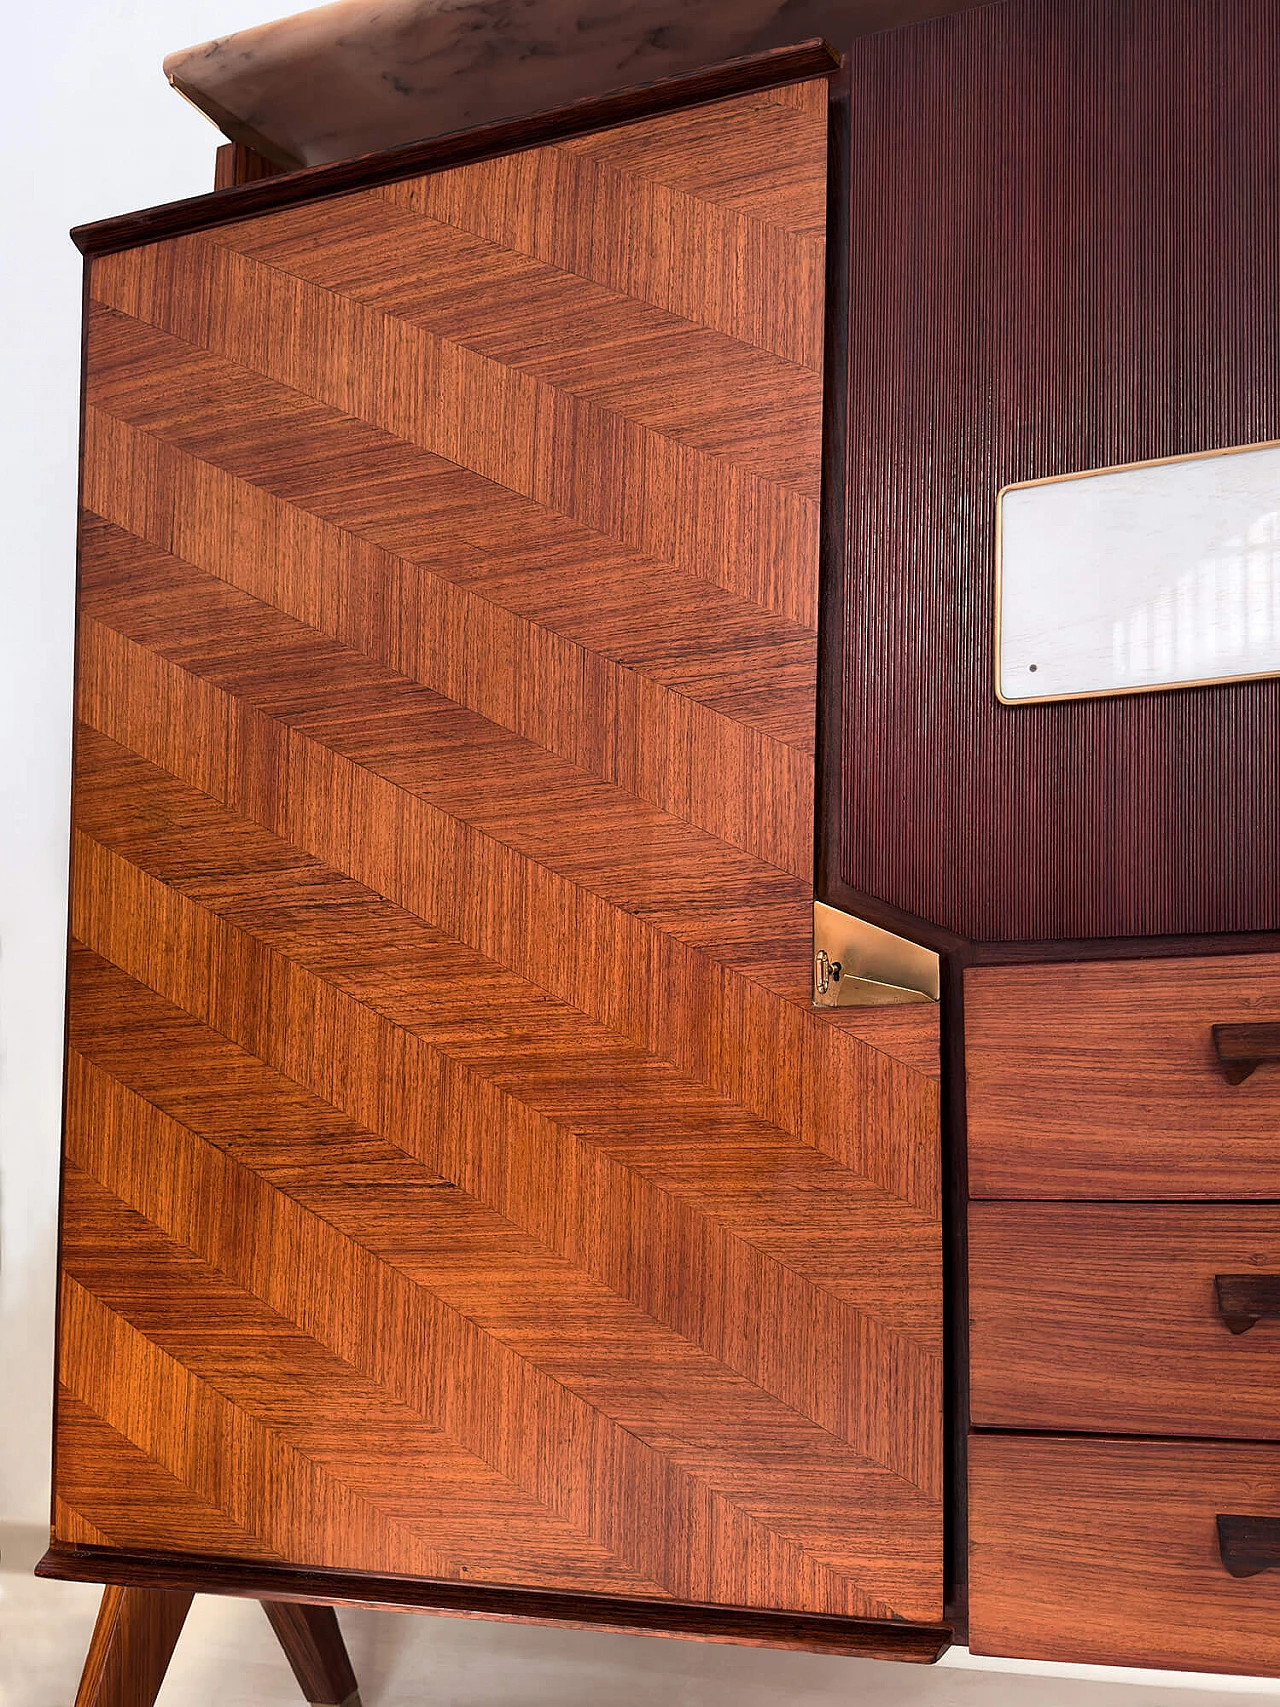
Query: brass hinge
858, 965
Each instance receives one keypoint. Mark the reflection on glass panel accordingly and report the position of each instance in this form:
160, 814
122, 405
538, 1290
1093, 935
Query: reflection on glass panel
1146, 577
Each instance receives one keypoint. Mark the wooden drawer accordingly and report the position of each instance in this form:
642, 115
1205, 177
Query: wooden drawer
1106, 1317
1100, 1079
1107, 1551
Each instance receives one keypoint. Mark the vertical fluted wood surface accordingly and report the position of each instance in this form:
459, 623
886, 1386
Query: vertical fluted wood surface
1064, 257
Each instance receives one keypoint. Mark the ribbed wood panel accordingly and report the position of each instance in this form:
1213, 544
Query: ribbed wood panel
1064, 256
459, 1182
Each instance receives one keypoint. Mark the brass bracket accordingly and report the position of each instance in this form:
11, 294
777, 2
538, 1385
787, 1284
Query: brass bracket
858, 965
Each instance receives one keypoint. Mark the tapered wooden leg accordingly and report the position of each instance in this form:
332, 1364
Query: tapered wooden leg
132, 1644
313, 1645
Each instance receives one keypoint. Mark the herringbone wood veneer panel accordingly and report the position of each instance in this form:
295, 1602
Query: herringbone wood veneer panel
459, 1182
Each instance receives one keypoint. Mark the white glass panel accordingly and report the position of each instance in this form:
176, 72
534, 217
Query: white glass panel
1141, 577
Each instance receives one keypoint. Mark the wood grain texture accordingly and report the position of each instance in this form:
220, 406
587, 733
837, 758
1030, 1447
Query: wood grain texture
1060, 260
1101, 1080
133, 1640
316, 1652
1106, 1552
772, 69
449, 1129
1104, 1317
237, 163
919, 1644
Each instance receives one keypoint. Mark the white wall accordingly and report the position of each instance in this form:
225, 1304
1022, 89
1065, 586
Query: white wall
93, 130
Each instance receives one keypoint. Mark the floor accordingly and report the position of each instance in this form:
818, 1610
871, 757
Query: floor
227, 1658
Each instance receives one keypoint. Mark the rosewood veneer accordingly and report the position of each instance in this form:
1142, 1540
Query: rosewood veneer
465, 1206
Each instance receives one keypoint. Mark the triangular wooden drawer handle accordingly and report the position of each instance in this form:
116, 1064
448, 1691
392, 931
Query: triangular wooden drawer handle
1241, 1048
1249, 1545
1244, 1299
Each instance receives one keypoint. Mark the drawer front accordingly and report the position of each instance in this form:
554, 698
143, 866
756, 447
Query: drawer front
1107, 1552
1119, 1318
1102, 1080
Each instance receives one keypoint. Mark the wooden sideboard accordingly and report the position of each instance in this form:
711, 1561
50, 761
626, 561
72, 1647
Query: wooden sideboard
519, 573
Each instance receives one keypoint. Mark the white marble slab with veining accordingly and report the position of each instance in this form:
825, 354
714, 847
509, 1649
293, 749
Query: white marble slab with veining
362, 75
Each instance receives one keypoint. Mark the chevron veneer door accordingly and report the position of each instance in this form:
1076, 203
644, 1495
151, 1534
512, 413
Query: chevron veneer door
459, 1184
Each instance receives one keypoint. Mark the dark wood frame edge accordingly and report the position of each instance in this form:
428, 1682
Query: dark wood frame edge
830, 887
742, 76
832, 518
853, 1637
73, 743
1122, 948
955, 1299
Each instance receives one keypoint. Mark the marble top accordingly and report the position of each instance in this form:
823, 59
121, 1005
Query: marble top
362, 75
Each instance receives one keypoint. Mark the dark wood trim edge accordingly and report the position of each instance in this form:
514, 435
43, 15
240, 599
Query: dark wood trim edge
854, 1637
955, 1300
742, 76
828, 883
833, 532
72, 744
837, 893
832, 889
1122, 948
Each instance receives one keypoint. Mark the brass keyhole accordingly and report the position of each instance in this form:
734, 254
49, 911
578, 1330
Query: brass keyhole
828, 971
